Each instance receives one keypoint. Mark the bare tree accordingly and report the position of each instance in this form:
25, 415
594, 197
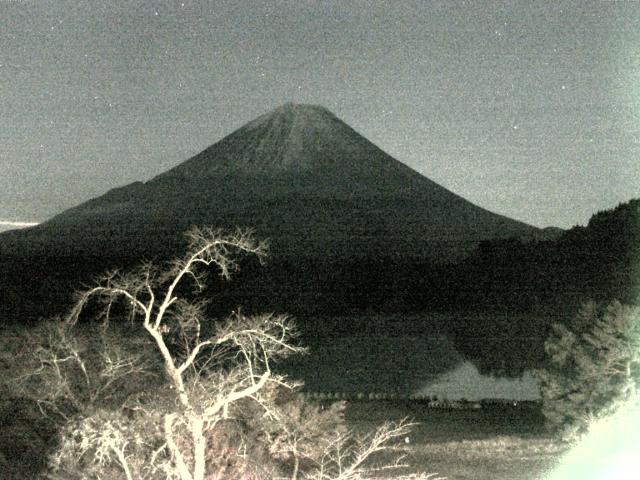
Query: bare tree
210, 369
351, 457
204, 394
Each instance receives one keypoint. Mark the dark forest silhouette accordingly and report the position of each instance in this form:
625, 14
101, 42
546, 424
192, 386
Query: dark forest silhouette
547, 280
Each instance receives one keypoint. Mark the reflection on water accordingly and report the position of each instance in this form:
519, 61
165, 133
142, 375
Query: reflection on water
465, 381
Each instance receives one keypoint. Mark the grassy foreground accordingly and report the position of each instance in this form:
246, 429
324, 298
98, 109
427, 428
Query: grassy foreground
498, 443
458, 445
489, 444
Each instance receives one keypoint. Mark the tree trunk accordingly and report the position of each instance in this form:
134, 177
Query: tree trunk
199, 447
296, 466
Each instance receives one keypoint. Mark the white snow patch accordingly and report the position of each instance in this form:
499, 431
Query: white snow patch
9, 225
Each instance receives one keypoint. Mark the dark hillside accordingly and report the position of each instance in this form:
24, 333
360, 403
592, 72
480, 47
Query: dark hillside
325, 197
599, 262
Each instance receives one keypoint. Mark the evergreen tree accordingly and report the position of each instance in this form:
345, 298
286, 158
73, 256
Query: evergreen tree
593, 366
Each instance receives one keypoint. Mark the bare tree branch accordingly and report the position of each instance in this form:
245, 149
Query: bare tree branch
168, 433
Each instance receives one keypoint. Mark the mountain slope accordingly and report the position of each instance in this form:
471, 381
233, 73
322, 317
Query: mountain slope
297, 175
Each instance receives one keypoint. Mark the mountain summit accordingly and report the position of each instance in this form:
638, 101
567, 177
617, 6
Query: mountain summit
305, 147
291, 138
299, 176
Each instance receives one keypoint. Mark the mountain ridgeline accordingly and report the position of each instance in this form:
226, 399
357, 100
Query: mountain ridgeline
331, 204
351, 231
298, 176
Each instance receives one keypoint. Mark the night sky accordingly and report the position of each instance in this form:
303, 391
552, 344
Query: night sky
529, 109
